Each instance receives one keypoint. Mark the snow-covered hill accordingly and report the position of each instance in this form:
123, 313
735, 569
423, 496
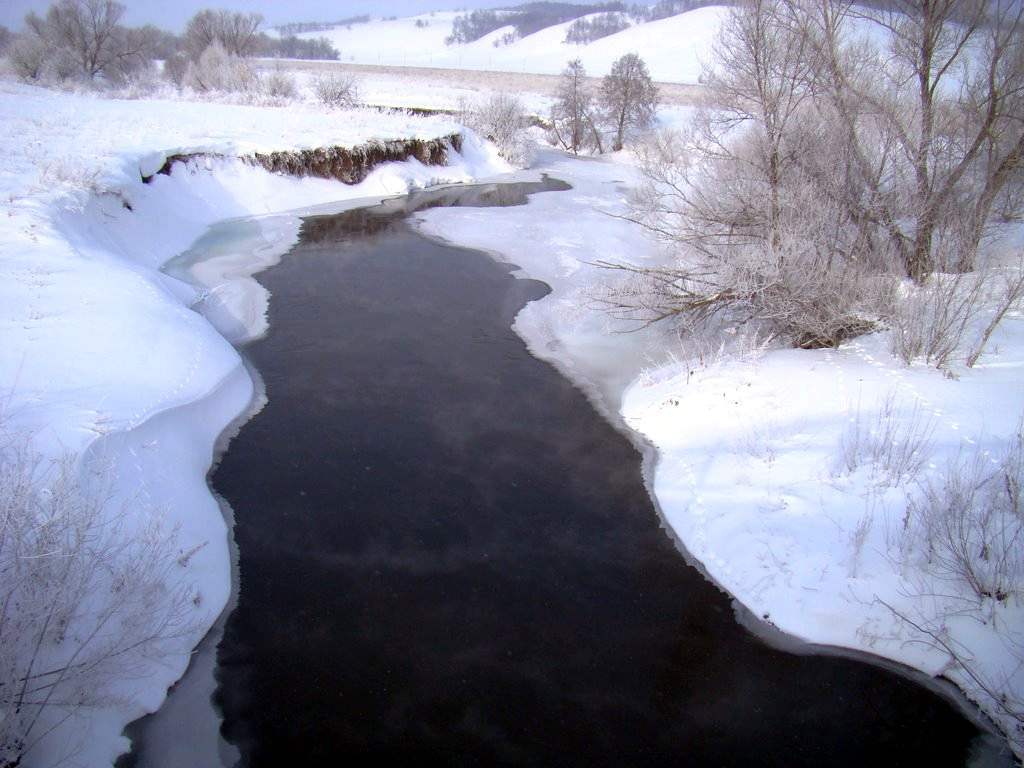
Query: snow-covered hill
673, 48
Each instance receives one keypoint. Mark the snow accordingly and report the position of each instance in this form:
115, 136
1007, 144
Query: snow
748, 472
672, 48
103, 356
381, 41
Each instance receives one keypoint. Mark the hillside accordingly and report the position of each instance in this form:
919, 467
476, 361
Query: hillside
673, 48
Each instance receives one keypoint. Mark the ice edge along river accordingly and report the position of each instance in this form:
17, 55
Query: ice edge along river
158, 384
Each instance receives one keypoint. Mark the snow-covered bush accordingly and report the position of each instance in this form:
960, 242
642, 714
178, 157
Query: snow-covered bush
500, 118
810, 142
335, 89
83, 598
279, 85
216, 70
145, 83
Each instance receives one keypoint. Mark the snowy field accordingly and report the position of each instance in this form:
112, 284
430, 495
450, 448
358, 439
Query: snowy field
432, 88
102, 356
672, 48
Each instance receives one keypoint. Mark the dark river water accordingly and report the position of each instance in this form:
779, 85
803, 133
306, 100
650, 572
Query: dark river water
447, 557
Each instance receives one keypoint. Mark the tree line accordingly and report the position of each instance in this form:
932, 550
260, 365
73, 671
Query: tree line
85, 40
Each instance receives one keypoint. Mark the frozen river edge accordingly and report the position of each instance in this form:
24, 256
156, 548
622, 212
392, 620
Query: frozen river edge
152, 385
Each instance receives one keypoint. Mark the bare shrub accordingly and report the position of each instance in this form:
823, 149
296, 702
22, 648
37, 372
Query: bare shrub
140, 85
175, 69
83, 599
739, 201
501, 119
970, 523
219, 71
28, 57
821, 163
279, 85
338, 90
932, 323
937, 323
998, 693
895, 444
1008, 295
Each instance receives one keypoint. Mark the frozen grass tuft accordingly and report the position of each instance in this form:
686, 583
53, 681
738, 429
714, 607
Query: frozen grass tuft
968, 524
894, 444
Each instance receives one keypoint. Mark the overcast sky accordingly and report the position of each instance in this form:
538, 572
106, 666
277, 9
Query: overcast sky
172, 14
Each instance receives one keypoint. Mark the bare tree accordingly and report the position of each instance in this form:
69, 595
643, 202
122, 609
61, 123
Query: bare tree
932, 121
628, 97
89, 33
238, 33
754, 240
821, 164
761, 82
6, 38
85, 598
84, 39
572, 115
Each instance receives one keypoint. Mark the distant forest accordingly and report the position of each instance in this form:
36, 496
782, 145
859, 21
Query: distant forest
526, 19
533, 17
299, 27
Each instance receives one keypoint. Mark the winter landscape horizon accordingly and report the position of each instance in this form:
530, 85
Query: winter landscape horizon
555, 383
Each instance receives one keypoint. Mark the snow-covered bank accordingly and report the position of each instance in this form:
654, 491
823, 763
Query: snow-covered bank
102, 355
749, 474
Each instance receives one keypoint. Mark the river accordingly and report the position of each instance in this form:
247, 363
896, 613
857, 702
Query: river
447, 556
